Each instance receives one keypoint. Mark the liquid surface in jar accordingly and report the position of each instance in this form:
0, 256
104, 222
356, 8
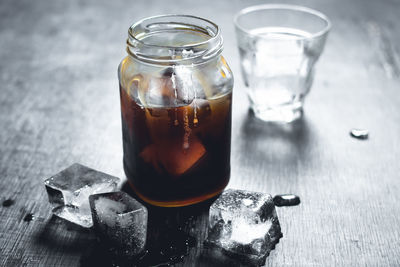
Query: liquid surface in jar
177, 156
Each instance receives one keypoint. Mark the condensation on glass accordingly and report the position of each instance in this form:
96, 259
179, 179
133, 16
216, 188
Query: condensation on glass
176, 97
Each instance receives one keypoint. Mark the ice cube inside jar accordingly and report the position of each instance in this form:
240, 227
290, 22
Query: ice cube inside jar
69, 191
177, 160
173, 156
244, 225
120, 221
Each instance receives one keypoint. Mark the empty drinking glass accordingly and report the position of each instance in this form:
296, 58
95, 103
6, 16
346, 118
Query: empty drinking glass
278, 46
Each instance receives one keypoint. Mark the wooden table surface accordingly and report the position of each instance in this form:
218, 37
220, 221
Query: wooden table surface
59, 104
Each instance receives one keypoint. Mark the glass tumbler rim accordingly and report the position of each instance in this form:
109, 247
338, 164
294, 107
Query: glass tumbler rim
287, 7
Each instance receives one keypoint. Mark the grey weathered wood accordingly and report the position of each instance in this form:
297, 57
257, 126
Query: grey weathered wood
59, 104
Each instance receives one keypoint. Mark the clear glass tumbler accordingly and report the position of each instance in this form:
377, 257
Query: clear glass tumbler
278, 46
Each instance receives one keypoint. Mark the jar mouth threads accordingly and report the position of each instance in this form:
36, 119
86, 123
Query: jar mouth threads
172, 39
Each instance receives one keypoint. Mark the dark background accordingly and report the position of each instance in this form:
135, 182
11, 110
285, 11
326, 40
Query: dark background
59, 104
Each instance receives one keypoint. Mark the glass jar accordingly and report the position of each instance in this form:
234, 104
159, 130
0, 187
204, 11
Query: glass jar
176, 98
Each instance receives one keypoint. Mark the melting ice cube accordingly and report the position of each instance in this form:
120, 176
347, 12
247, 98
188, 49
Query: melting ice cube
244, 224
120, 221
69, 191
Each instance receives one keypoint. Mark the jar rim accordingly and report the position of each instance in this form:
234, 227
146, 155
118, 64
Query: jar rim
195, 50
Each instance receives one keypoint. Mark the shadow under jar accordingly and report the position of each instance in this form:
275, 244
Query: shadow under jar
176, 98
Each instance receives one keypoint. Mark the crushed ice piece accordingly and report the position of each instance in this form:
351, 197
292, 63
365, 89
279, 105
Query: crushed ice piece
244, 225
359, 133
286, 200
120, 221
69, 191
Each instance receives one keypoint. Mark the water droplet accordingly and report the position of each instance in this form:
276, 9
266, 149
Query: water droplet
286, 200
187, 129
8, 202
359, 133
29, 217
176, 122
171, 249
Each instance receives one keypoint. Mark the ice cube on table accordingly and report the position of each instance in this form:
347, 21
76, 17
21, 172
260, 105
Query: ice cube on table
244, 225
120, 221
69, 191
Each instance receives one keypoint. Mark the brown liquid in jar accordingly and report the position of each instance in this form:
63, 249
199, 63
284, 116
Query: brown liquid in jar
177, 156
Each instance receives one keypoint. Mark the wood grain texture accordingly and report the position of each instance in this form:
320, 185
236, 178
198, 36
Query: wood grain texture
59, 104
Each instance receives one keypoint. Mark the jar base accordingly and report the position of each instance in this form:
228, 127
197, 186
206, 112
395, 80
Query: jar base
178, 203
